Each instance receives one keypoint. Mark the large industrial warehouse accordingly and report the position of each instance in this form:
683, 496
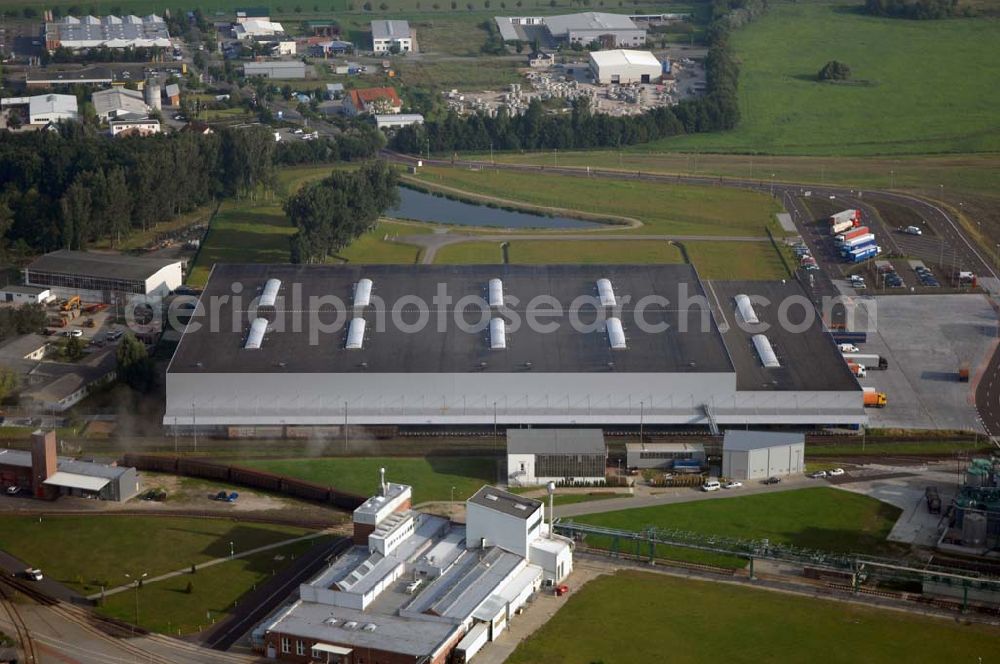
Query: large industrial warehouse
622, 66
274, 374
103, 277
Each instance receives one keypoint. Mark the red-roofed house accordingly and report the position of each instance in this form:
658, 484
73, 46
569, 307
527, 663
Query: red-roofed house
373, 100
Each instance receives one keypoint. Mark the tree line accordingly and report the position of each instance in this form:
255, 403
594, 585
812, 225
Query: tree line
914, 9
71, 188
716, 110
335, 211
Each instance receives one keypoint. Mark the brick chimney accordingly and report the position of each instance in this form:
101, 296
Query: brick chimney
43, 463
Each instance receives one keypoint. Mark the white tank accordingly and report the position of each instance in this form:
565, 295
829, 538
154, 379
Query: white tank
153, 99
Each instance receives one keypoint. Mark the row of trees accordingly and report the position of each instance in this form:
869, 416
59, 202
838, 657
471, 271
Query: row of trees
335, 211
74, 187
25, 319
913, 9
717, 110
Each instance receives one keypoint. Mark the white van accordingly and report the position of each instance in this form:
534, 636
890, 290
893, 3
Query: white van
711, 485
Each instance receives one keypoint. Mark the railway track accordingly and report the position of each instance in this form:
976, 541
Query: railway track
21, 632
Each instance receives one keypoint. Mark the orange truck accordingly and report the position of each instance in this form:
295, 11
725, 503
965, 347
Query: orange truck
874, 399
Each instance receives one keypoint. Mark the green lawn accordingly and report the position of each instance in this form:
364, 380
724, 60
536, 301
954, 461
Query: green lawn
431, 477
243, 232
373, 247
86, 552
470, 253
818, 518
594, 251
574, 498
894, 104
644, 617
662, 208
167, 607
875, 447
736, 260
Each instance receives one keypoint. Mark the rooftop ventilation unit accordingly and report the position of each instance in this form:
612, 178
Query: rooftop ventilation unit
363, 293
616, 335
270, 294
356, 333
498, 334
370, 627
256, 336
745, 307
496, 293
766, 353
606, 293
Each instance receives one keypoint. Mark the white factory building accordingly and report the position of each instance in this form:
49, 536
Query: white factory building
386, 34
381, 357
757, 455
539, 456
96, 277
416, 587
43, 109
583, 29
624, 66
107, 32
114, 102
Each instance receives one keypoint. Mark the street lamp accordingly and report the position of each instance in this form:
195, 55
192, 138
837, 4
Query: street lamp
138, 580
232, 550
452, 494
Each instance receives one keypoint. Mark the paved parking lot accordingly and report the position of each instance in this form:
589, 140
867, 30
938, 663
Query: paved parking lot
925, 339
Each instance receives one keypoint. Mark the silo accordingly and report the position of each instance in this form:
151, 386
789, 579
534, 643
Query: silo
974, 529
153, 96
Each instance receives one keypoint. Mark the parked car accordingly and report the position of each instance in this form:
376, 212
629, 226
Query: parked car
33, 573
835, 472
732, 485
913, 230
13, 490
711, 485
819, 474
772, 480
76, 334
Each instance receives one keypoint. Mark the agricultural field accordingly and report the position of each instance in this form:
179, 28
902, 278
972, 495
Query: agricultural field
432, 477
821, 518
666, 209
103, 548
167, 606
890, 106
647, 617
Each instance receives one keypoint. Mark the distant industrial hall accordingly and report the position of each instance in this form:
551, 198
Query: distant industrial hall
272, 377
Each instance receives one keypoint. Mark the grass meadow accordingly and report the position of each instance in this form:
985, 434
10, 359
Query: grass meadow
917, 86
644, 617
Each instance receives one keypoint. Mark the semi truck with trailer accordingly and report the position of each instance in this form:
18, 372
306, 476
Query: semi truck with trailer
854, 232
868, 360
845, 337
861, 254
853, 216
857, 241
856, 369
873, 398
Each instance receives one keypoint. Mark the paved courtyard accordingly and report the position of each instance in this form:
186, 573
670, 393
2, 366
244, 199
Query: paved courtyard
925, 339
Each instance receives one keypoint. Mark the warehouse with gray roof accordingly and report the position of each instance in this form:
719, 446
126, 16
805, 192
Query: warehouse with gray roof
97, 277
608, 30
556, 345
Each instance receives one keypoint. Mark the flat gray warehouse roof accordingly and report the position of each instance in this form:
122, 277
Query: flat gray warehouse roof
736, 439
809, 359
107, 266
555, 441
441, 345
506, 502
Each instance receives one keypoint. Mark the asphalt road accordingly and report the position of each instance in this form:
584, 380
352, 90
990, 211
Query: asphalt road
14, 566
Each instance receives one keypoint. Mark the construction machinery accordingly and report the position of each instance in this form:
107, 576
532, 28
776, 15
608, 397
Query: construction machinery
70, 303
